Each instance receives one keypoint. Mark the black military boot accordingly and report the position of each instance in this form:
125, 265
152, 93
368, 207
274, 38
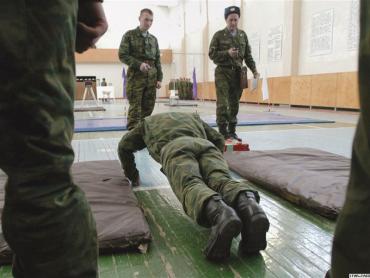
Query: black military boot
255, 223
232, 133
223, 130
225, 225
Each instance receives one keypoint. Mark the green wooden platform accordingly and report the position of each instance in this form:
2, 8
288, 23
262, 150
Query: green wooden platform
299, 242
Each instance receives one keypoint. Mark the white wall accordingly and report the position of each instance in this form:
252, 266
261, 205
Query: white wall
260, 18
341, 59
124, 15
181, 25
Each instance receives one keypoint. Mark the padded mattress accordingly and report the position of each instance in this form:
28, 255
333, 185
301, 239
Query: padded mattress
311, 178
120, 221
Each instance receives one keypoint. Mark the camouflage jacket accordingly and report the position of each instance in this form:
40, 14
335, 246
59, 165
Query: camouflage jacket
136, 48
154, 132
222, 41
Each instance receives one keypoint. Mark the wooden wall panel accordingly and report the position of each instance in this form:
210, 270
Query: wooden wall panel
98, 56
270, 88
280, 90
166, 56
203, 90
324, 89
212, 91
347, 90
251, 96
104, 55
300, 93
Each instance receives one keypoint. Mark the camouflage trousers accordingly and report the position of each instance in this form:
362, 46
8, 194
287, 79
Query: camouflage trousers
196, 171
46, 219
351, 245
141, 94
228, 94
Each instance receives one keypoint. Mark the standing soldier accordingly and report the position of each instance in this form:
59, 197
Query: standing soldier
46, 219
190, 153
229, 47
140, 51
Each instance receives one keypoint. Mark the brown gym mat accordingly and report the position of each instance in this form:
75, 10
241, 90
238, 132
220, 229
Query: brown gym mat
120, 221
312, 178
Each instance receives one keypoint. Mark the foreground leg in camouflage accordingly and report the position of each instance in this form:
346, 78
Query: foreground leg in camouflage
351, 245
46, 219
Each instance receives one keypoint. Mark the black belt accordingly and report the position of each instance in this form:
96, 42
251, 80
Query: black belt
230, 67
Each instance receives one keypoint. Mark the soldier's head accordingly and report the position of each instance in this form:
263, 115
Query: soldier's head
232, 15
146, 19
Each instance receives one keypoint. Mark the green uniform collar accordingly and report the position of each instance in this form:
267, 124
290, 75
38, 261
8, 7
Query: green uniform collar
228, 33
140, 33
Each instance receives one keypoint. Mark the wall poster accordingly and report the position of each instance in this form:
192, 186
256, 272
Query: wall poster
322, 32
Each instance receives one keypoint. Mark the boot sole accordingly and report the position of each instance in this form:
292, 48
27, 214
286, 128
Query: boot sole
218, 248
254, 238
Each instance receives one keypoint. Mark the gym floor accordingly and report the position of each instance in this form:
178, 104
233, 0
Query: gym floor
299, 242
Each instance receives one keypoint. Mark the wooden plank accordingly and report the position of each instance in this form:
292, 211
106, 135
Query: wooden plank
270, 88
280, 90
97, 55
347, 90
207, 90
324, 88
105, 55
300, 93
251, 96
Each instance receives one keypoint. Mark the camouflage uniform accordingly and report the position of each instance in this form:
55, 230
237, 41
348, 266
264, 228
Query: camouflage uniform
135, 49
46, 219
227, 75
190, 153
351, 246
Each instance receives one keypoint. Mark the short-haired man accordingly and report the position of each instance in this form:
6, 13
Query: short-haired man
139, 50
228, 48
190, 153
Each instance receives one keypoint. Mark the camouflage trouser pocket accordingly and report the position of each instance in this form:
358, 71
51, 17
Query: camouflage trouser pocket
129, 94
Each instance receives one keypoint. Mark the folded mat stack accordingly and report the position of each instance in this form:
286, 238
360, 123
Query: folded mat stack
312, 178
120, 222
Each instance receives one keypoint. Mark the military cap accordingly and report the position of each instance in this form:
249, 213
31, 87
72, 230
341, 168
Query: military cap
232, 10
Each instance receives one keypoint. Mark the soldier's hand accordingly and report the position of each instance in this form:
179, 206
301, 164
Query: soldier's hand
233, 52
159, 85
91, 24
144, 67
256, 75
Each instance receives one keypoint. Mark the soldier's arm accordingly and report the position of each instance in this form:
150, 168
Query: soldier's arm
216, 138
248, 57
131, 142
158, 63
215, 54
125, 51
